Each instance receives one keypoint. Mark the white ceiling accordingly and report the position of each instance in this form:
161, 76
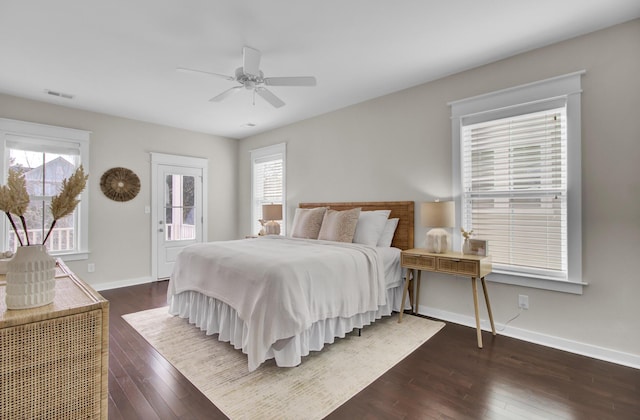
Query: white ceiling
119, 57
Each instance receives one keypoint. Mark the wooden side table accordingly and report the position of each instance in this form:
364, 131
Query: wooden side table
455, 263
54, 359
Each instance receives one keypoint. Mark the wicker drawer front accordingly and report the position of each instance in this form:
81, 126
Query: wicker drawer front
52, 368
470, 268
421, 262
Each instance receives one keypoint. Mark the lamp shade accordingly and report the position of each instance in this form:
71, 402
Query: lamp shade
272, 211
438, 214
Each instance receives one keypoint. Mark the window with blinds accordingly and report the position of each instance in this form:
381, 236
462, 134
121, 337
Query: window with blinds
268, 186
46, 156
514, 190
517, 180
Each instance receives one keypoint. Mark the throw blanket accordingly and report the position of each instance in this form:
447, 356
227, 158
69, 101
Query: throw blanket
280, 286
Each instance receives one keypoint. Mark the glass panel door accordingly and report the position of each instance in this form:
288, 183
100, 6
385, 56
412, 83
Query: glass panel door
179, 209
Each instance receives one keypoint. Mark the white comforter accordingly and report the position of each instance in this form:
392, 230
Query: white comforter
280, 286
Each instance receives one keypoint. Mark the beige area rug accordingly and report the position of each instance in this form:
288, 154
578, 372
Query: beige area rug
324, 381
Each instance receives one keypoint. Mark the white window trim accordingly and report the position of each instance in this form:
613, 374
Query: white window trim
501, 102
71, 136
279, 149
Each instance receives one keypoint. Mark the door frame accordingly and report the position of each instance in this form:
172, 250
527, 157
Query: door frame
158, 159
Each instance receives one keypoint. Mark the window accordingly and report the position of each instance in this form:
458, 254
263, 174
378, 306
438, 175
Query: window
180, 207
267, 182
517, 175
46, 155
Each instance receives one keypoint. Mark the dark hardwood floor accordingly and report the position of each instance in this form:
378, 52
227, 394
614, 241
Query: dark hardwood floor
446, 378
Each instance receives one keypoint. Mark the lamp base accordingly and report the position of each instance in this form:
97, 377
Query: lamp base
272, 228
438, 241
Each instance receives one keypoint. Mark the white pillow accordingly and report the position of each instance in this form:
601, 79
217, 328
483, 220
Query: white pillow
387, 234
370, 226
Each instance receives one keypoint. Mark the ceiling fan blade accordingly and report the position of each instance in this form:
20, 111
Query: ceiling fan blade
224, 94
269, 97
290, 81
186, 70
251, 61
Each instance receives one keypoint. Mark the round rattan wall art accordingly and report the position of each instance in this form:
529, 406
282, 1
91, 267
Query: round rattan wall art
120, 184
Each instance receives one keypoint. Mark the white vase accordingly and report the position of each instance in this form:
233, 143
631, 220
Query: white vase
31, 278
466, 248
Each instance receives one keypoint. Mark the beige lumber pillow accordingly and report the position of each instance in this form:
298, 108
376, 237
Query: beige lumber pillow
307, 222
339, 226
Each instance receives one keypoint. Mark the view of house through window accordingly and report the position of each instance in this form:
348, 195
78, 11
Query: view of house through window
44, 173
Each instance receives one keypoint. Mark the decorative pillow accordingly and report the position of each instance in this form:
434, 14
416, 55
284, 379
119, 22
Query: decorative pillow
370, 226
339, 226
307, 222
387, 234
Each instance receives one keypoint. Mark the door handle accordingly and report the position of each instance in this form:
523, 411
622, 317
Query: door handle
160, 230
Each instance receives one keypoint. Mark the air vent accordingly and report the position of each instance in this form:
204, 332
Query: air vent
59, 94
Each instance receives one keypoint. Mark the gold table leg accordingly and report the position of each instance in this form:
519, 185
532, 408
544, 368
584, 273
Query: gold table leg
475, 306
404, 295
486, 299
417, 298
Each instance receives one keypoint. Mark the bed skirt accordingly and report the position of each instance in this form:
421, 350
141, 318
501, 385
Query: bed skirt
216, 317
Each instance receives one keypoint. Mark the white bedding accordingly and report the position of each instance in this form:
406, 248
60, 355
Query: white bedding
266, 295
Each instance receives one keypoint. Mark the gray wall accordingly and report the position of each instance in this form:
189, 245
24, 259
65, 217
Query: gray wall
398, 147
119, 233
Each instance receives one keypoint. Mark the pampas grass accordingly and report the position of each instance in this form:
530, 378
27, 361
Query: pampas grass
6, 205
64, 203
19, 198
14, 199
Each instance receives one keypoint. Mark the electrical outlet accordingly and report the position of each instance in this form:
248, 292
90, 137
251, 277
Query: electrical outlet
523, 301
91, 267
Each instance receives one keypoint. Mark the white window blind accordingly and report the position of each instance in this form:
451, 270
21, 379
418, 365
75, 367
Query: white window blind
268, 186
517, 180
514, 176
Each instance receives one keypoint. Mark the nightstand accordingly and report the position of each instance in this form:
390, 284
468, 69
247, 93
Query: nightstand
473, 266
54, 361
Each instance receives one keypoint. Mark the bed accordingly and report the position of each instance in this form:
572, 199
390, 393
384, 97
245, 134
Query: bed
280, 298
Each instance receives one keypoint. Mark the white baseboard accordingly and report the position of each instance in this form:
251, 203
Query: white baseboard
121, 283
590, 350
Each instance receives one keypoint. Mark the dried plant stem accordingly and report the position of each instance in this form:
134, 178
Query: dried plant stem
53, 224
26, 232
15, 229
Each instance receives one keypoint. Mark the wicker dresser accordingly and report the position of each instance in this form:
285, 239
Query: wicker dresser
54, 359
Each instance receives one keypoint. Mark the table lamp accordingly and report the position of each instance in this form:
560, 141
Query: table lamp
438, 215
271, 213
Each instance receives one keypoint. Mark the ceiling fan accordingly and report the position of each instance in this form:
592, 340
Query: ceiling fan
251, 77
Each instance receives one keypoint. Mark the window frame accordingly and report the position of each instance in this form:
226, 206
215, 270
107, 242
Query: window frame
43, 134
276, 150
515, 101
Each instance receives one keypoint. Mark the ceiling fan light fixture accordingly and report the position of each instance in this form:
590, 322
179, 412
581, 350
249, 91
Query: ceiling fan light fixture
252, 78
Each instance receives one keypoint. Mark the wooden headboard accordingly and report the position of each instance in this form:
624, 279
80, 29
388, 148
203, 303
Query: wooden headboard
403, 210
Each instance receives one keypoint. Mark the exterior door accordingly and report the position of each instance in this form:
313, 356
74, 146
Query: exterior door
179, 213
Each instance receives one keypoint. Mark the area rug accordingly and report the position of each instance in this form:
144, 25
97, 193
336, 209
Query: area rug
324, 381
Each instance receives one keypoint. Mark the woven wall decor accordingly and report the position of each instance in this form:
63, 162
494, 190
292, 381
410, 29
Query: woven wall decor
120, 184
